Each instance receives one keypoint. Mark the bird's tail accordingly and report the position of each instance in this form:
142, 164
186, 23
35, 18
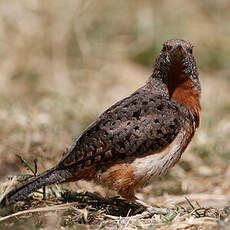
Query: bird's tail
49, 177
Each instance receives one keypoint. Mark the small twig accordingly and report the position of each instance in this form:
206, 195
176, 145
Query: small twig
27, 164
44, 192
190, 203
35, 167
110, 216
194, 210
128, 212
198, 204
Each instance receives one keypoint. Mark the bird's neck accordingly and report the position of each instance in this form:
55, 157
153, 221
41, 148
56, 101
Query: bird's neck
156, 86
182, 89
179, 88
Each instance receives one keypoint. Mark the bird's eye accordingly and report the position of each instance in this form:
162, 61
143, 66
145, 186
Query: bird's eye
190, 51
167, 48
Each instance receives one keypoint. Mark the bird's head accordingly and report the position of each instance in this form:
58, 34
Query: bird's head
176, 62
177, 50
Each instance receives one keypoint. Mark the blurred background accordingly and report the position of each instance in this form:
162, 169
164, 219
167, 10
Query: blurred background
64, 62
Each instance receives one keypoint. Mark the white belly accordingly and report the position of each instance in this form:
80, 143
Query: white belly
152, 166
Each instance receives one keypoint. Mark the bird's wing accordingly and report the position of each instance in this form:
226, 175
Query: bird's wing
135, 126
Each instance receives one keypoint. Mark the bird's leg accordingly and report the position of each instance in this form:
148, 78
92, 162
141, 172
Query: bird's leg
149, 211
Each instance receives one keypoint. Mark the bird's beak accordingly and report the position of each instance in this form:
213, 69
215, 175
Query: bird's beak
178, 53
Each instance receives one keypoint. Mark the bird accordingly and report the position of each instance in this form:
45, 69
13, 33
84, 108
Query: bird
138, 138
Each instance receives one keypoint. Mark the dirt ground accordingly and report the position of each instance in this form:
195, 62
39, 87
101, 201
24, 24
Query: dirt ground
64, 63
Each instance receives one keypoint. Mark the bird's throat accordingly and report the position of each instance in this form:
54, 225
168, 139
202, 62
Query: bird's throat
185, 94
182, 89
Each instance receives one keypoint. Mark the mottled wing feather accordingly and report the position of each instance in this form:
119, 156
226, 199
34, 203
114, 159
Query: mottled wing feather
133, 127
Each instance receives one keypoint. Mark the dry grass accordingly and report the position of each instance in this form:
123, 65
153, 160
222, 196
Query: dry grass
64, 62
